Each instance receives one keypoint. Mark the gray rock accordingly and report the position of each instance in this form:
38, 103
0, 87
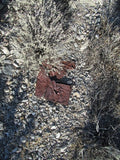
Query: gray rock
23, 139
1, 126
1, 6
32, 137
1, 136
8, 69
2, 58
19, 61
53, 127
7, 61
58, 135
5, 50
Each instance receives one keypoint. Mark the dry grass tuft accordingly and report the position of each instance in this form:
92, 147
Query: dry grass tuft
100, 138
36, 28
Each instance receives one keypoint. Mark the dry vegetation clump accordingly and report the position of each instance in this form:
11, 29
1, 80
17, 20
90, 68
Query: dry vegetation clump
100, 138
35, 28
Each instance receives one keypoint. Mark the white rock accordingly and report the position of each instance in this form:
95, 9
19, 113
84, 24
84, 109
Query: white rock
80, 38
19, 61
24, 86
97, 36
16, 65
5, 50
84, 46
58, 135
76, 45
87, 15
76, 94
63, 149
53, 127
26, 81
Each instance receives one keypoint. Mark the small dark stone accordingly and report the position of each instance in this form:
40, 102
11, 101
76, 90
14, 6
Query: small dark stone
63, 80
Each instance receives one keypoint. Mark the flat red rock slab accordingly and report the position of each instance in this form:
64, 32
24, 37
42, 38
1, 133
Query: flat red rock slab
50, 89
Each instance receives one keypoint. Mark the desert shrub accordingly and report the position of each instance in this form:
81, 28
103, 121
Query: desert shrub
35, 28
100, 137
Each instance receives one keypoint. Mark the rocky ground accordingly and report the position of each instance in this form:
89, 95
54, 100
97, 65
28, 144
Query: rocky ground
31, 32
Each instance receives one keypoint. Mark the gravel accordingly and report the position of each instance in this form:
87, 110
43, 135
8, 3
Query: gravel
32, 128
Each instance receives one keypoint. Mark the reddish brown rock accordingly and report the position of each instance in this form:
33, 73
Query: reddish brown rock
58, 93
56, 74
68, 64
42, 84
49, 88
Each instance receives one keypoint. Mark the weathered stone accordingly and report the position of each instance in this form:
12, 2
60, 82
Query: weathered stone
5, 50
53, 87
76, 94
58, 93
42, 83
8, 69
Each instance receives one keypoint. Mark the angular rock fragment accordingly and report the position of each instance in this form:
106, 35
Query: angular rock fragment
55, 87
42, 84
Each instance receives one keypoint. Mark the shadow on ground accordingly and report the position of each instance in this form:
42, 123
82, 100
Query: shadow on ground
102, 129
11, 132
104, 123
114, 14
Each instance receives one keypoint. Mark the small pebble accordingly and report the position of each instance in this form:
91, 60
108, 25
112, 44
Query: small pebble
84, 46
76, 94
58, 135
97, 36
8, 69
24, 86
19, 61
1, 126
7, 61
2, 58
11, 97
5, 50
1, 136
32, 137
23, 139
76, 45
87, 15
53, 127
16, 65
36, 124
63, 149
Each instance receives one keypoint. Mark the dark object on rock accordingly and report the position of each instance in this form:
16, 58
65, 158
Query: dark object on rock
55, 87
63, 80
